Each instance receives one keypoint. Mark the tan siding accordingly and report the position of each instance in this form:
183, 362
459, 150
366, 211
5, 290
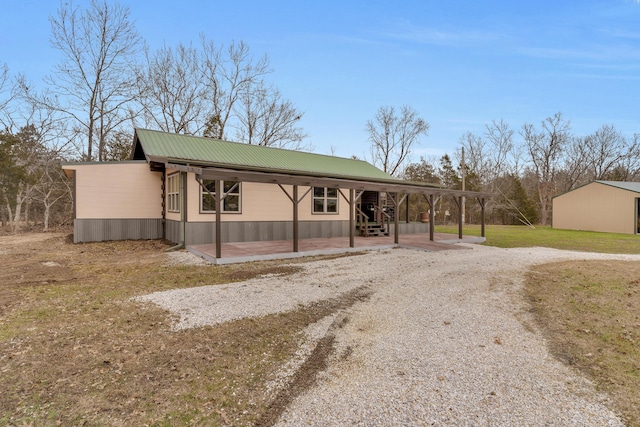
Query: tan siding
262, 202
596, 207
117, 190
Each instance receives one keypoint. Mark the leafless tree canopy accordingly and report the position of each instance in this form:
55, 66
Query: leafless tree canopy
170, 93
547, 161
393, 137
216, 92
92, 85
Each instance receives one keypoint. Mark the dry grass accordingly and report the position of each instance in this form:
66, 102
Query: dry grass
590, 311
74, 350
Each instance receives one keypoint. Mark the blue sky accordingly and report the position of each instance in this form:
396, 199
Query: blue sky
460, 64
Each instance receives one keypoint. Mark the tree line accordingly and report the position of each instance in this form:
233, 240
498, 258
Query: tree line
109, 81
526, 167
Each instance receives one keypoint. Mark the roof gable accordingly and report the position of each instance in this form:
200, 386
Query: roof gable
624, 185
212, 152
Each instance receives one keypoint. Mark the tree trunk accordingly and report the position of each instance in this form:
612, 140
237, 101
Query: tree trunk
10, 216
47, 209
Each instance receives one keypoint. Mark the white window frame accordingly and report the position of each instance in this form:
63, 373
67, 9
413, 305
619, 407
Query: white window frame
173, 192
237, 192
325, 199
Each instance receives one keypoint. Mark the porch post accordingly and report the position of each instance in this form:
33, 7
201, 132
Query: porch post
407, 212
432, 217
482, 216
352, 225
218, 203
295, 218
184, 218
460, 216
396, 221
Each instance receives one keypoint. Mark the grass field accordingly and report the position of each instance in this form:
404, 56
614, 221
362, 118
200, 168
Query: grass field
513, 236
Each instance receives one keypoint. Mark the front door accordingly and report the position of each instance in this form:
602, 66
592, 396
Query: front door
368, 204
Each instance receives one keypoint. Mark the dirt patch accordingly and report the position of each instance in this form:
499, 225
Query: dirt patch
75, 350
41, 259
590, 311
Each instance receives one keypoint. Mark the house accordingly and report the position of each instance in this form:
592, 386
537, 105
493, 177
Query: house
609, 206
193, 190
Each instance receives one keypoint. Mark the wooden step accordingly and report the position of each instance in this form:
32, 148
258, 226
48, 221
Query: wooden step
373, 229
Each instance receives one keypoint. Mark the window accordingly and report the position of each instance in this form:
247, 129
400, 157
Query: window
231, 203
325, 200
173, 193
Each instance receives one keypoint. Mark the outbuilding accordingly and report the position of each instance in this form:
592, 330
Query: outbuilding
607, 206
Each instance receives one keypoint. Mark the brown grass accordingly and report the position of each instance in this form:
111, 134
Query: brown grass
74, 350
590, 311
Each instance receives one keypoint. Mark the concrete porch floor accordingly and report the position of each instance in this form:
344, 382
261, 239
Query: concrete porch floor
282, 249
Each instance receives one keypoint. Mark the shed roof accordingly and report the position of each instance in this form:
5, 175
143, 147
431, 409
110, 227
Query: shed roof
625, 185
203, 151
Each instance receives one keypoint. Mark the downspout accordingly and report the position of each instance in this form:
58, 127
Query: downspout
183, 213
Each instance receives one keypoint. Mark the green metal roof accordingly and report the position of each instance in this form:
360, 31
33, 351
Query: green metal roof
200, 151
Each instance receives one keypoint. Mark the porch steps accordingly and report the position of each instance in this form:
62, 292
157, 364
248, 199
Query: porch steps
373, 229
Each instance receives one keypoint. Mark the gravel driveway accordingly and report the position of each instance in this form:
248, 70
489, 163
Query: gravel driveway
445, 339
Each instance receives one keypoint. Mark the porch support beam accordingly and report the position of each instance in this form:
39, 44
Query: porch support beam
352, 225
296, 235
296, 201
432, 214
396, 220
458, 200
218, 203
406, 217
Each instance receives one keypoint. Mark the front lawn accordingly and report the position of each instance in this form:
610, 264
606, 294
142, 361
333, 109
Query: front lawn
516, 236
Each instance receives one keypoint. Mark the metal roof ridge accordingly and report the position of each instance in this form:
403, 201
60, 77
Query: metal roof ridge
259, 147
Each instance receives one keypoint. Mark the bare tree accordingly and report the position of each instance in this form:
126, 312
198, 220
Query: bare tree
546, 148
605, 150
92, 85
52, 186
6, 97
228, 76
393, 137
628, 168
268, 120
170, 90
500, 139
211, 91
476, 155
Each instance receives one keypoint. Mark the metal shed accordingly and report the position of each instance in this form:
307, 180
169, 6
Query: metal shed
607, 206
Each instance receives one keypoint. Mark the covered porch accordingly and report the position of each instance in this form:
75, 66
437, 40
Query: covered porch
282, 249
349, 190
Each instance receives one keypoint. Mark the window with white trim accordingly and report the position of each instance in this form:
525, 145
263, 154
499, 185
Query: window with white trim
173, 193
231, 202
325, 200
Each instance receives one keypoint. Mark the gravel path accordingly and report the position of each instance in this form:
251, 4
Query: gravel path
445, 339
